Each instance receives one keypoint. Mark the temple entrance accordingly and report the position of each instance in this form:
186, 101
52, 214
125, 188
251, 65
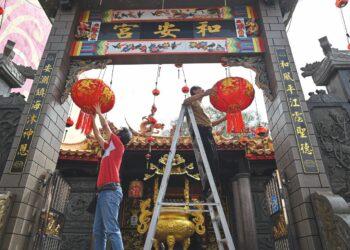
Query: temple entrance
93, 35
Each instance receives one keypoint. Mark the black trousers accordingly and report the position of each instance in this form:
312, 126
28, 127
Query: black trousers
211, 151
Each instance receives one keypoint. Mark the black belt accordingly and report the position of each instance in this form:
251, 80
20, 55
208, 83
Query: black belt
109, 186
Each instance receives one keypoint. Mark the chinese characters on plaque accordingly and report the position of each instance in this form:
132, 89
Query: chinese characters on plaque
33, 115
299, 124
171, 31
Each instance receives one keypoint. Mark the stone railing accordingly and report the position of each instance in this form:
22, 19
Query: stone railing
333, 219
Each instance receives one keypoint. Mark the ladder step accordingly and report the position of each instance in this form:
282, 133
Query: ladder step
184, 211
190, 204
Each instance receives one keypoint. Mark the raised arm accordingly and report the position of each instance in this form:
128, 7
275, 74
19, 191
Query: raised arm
196, 97
217, 122
103, 122
97, 133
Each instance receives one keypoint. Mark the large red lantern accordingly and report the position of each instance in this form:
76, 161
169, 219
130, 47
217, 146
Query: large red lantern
86, 93
232, 95
341, 3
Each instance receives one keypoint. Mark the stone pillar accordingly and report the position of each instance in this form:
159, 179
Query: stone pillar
247, 216
300, 185
238, 215
45, 146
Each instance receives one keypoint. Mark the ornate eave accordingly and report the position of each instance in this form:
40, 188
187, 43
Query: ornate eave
50, 7
287, 8
335, 60
11, 74
258, 148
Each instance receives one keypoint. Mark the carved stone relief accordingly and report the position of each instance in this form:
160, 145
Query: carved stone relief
10, 112
78, 67
76, 242
332, 128
332, 216
257, 64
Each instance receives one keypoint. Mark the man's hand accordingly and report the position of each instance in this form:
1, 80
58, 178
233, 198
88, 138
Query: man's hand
208, 92
98, 109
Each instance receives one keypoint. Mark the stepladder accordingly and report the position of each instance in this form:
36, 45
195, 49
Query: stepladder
212, 205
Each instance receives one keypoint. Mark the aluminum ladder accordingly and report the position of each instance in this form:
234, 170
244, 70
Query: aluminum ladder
213, 204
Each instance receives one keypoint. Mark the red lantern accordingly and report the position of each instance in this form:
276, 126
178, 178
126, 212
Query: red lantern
153, 109
1, 11
185, 89
86, 93
232, 95
261, 131
135, 189
69, 122
150, 139
341, 3
148, 156
178, 65
349, 46
155, 92
243, 140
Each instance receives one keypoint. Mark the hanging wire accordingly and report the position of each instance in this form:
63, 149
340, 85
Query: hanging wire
163, 4
229, 71
226, 72
3, 15
184, 76
157, 78
110, 84
346, 29
256, 103
225, 3
104, 72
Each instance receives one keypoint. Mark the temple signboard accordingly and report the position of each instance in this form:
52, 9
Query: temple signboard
168, 31
32, 120
305, 148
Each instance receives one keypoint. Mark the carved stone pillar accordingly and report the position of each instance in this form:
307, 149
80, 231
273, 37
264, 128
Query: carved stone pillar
244, 212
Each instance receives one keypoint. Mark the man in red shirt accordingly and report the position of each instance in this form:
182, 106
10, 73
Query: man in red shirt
110, 193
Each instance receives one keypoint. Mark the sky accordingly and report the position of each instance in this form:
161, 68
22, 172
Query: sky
25, 23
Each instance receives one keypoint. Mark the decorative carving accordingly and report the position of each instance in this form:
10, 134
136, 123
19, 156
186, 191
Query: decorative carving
10, 113
27, 72
78, 67
6, 201
332, 126
77, 242
132, 240
150, 125
145, 216
332, 216
77, 206
179, 167
310, 68
257, 64
280, 228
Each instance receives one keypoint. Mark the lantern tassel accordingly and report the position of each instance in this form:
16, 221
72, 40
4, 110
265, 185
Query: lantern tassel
235, 122
80, 120
88, 127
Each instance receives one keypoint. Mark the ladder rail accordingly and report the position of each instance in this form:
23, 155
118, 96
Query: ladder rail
202, 162
211, 180
163, 185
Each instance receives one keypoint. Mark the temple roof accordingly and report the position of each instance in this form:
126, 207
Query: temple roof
88, 149
51, 6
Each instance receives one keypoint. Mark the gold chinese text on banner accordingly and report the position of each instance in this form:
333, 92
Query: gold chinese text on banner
33, 115
306, 151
